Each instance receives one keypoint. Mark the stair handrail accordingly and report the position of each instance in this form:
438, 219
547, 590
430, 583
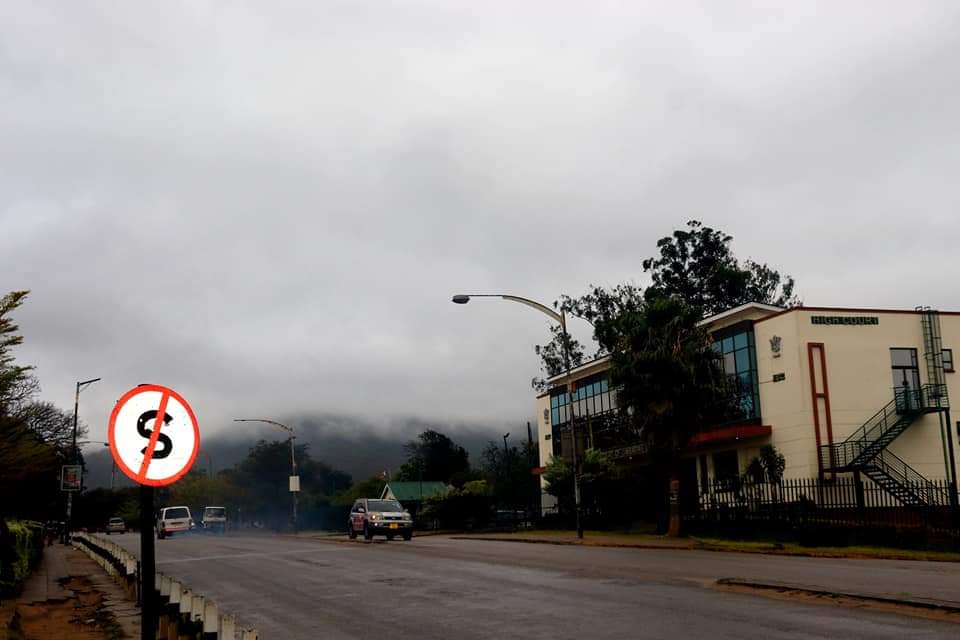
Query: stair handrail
906, 403
895, 467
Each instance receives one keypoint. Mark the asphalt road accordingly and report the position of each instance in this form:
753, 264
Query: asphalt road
436, 587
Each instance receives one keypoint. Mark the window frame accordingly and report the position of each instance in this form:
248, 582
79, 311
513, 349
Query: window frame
943, 357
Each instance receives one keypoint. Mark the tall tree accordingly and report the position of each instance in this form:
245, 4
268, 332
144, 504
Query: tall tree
698, 266
507, 470
26, 458
263, 476
17, 384
671, 382
434, 456
52, 425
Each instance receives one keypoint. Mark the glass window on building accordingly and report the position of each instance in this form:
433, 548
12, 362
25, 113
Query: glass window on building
593, 396
739, 353
948, 360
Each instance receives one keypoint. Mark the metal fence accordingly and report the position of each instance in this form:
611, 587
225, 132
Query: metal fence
808, 505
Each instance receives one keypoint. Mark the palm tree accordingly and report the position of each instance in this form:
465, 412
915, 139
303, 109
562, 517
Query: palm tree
671, 381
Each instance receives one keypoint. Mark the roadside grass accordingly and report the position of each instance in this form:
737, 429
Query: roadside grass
794, 549
641, 537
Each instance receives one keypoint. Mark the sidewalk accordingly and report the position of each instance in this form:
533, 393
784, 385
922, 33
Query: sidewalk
69, 596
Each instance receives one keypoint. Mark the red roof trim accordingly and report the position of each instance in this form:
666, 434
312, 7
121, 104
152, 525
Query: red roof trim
849, 310
735, 432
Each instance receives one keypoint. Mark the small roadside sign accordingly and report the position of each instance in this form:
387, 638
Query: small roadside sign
71, 477
153, 434
294, 483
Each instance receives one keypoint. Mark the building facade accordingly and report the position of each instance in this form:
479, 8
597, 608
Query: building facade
836, 391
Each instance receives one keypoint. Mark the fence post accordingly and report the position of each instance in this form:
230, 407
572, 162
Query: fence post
173, 608
211, 620
228, 628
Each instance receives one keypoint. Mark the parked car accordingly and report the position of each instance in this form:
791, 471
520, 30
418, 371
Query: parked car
386, 517
116, 525
172, 520
214, 519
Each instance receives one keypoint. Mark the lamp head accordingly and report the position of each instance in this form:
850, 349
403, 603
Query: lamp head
461, 299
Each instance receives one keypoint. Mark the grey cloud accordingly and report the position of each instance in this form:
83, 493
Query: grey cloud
269, 209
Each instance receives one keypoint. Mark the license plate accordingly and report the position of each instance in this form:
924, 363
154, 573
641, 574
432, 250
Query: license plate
393, 525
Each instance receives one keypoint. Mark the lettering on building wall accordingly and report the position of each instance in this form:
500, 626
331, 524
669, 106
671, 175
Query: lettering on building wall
848, 320
779, 377
776, 343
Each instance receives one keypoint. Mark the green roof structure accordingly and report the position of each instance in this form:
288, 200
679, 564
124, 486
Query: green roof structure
414, 491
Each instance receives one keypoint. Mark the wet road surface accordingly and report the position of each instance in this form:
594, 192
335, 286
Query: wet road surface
437, 587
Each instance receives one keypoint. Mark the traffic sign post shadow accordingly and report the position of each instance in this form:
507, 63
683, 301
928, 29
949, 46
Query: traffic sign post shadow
154, 438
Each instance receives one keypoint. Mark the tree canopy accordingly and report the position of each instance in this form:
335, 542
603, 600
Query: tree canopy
697, 265
434, 456
35, 437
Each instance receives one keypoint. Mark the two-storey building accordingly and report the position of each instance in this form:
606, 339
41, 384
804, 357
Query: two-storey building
836, 391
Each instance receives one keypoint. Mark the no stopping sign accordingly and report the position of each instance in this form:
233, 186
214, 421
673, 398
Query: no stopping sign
153, 434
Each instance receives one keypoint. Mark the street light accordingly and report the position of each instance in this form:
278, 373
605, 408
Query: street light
81, 385
293, 459
561, 318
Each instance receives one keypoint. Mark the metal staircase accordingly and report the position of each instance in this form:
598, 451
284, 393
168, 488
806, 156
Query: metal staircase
901, 481
866, 448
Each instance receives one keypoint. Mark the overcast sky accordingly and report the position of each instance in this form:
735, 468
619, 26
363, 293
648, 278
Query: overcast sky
268, 207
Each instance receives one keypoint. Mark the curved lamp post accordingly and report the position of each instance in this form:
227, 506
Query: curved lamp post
562, 320
81, 385
293, 459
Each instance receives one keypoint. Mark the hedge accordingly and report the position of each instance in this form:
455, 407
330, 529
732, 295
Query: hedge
21, 547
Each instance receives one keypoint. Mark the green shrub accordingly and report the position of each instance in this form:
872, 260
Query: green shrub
21, 547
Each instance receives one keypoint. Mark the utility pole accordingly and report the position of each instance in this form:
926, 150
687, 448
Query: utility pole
562, 319
81, 385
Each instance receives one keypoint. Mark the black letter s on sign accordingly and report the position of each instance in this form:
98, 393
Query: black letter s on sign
163, 439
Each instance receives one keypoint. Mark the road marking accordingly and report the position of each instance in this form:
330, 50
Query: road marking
244, 555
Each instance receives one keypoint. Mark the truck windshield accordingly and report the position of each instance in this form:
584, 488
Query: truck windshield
384, 505
213, 512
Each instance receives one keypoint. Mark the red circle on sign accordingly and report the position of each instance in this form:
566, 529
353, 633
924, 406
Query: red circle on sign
111, 427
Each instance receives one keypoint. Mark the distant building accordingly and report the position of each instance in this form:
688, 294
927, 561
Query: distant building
414, 493
837, 391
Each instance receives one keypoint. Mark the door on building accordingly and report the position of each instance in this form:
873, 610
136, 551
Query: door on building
906, 377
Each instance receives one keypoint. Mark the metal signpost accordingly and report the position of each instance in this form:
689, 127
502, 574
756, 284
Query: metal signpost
154, 438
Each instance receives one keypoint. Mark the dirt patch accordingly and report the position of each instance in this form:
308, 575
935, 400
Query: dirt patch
78, 617
919, 610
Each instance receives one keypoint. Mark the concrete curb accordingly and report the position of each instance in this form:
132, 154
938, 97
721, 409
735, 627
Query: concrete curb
699, 545
574, 543
916, 603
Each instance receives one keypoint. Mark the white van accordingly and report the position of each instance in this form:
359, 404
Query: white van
214, 519
173, 520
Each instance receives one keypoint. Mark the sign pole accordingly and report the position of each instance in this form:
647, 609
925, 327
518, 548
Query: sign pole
148, 567
161, 419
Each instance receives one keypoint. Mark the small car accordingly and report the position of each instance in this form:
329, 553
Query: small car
387, 517
116, 525
172, 520
214, 519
